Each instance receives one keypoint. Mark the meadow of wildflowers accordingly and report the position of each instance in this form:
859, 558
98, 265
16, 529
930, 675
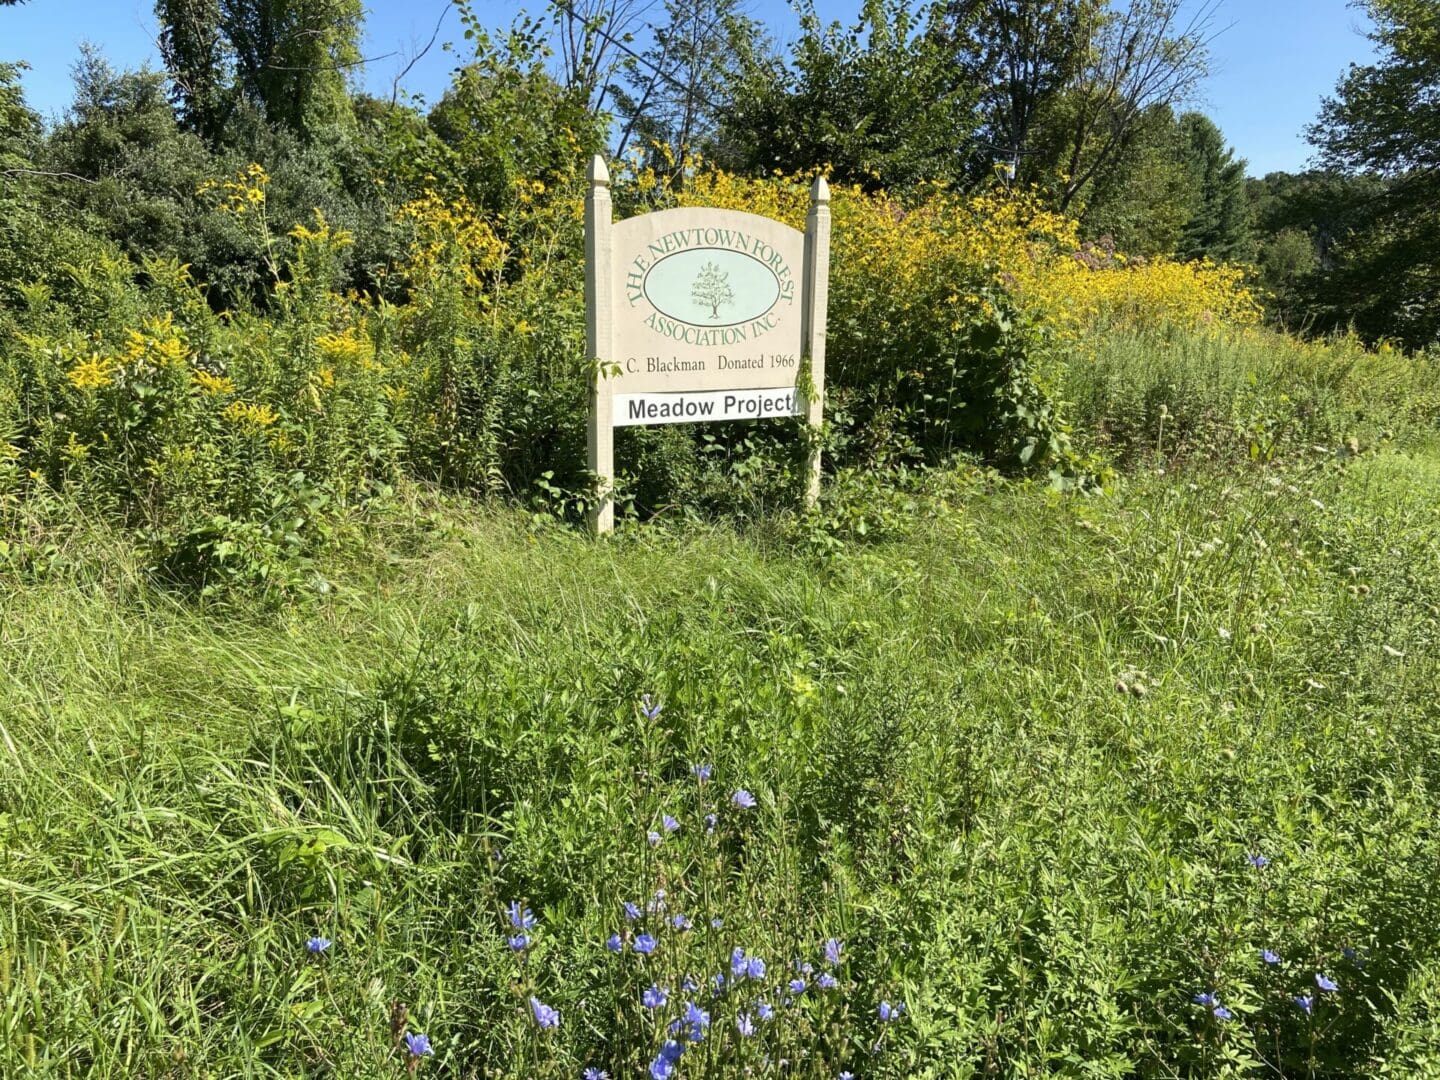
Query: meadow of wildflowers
1133, 786
951, 777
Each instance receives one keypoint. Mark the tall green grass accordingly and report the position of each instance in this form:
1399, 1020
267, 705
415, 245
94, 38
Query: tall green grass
1015, 751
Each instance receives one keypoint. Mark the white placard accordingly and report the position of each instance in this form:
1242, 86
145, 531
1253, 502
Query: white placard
704, 405
695, 315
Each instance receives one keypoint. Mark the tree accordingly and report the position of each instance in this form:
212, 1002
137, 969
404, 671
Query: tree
1220, 225
675, 93
1144, 200
1022, 54
593, 36
288, 58
1385, 119
881, 104
712, 288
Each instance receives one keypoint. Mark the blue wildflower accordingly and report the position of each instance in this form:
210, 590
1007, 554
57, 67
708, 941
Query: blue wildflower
764, 1010
710, 820
595, 1074
754, 968
797, 986
656, 905
520, 918
644, 945
717, 981
690, 984
661, 1069
671, 1050
832, 952
1328, 985
417, 1045
827, 981
545, 1016
737, 962
654, 998
318, 944
1222, 1013
717, 924
680, 922
745, 1024
671, 825
652, 837
1259, 862
614, 943
743, 799
1269, 956
847, 1076
652, 710
1208, 1000
519, 942
1306, 1003
890, 1012
632, 911
698, 1019
701, 772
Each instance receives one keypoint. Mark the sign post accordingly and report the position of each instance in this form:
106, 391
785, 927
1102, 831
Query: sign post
700, 314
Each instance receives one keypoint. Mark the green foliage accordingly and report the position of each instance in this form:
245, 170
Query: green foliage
1382, 120
880, 104
1014, 751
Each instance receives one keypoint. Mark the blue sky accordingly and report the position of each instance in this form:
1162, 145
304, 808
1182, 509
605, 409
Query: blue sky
1273, 62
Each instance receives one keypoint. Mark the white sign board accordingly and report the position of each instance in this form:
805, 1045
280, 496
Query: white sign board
697, 315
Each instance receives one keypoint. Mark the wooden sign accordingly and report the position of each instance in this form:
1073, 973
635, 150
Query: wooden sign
695, 315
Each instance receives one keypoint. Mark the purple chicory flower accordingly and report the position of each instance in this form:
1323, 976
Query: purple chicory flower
710, 820
745, 1024
680, 922
417, 1045
1328, 985
1270, 956
1259, 862
1209, 1000
754, 968
594, 1074
318, 945
1306, 1003
1222, 1013
765, 1010
698, 1019
644, 945
847, 1076
701, 772
518, 943
717, 924
520, 917
890, 1012
832, 952
654, 998
797, 986
652, 837
827, 981
670, 823
743, 799
545, 1016
652, 710
661, 1069
632, 911
615, 943
737, 962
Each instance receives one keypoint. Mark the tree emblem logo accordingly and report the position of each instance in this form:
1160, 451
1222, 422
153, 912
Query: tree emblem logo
712, 288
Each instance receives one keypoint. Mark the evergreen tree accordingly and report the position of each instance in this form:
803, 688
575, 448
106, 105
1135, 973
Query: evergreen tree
1220, 225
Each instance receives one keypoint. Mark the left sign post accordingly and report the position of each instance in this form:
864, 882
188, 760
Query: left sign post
600, 342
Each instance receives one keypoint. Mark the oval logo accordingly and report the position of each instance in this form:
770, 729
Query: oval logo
711, 287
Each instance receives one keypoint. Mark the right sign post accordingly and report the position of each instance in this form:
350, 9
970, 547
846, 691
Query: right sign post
698, 315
